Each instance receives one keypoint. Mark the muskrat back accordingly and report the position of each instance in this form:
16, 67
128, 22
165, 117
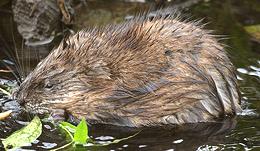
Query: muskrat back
148, 71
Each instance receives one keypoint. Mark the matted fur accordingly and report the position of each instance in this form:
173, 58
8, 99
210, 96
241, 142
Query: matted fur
148, 71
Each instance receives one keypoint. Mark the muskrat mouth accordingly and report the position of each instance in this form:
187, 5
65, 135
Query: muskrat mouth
36, 109
55, 115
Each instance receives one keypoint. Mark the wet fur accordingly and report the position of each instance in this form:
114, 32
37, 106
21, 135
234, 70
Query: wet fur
148, 71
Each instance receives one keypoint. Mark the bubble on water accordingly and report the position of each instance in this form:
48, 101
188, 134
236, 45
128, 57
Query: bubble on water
104, 138
207, 148
254, 68
47, 127
36, 141
257, 73
242, 70
46, 145
244, 97
142, 146
178, 141
239, 78
248, 112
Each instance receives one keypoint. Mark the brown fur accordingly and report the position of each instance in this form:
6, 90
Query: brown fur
144, 72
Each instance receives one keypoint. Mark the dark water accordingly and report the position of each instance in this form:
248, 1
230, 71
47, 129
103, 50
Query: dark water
226, 17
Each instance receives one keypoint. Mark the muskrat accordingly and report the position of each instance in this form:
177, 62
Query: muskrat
147, 71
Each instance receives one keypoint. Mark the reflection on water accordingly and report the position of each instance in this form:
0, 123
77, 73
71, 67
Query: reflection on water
188, 137
226, 17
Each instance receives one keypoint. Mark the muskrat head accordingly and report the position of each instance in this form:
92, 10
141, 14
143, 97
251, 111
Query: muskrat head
58, 81
50, 83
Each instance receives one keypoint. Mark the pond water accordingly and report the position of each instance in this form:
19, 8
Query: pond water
226, 17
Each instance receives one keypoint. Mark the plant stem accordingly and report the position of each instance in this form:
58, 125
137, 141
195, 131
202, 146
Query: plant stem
62, 147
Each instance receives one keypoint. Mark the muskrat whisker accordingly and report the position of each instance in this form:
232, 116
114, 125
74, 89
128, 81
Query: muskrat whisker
16, 58
17, 78
37, 56
18, 66
28, 61
11, 56
22, 60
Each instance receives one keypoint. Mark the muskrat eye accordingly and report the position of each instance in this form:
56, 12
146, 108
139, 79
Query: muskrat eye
48, 86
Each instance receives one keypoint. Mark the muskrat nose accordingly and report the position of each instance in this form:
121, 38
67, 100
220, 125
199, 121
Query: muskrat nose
21, 102
19, 97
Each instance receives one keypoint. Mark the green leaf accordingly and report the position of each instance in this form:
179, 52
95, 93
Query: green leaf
81, 133
68, 126
81, 136
66, 129
25, 135
254, 31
